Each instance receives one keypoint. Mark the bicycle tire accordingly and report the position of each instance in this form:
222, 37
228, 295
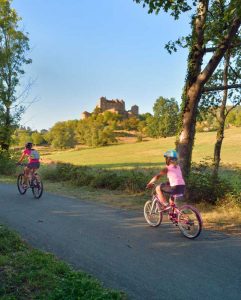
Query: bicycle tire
154, 217
20, 181
37, 186
189, 221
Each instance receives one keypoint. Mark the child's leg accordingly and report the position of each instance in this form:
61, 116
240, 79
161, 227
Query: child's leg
160, 195
26, 175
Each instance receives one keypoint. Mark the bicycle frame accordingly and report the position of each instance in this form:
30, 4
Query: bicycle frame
34, 182
186, 217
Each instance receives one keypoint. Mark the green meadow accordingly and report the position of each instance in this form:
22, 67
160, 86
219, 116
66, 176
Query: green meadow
149, 153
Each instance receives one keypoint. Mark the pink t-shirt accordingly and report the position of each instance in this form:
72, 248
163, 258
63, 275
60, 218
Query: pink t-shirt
174, 175
27, 152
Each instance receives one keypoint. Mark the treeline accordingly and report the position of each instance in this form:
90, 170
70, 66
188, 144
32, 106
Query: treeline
101, 129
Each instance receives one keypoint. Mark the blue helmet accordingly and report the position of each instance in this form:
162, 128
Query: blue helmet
171, 154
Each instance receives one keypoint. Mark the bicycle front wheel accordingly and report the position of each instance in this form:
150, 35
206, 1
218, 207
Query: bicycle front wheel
20, 184
37, 186
189, 221
152, 214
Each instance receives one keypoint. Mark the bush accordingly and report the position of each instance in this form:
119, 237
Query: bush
106, 179
202, 186
8, 161
128, 180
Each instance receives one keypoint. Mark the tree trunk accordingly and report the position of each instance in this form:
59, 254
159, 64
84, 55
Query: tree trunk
192, 90
6, 131
195, 83
221, 119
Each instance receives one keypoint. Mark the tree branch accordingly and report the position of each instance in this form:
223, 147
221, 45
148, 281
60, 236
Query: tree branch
219, 53
232, 107
221, 88
213, 49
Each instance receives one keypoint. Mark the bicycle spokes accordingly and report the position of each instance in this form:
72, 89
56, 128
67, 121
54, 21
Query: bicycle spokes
189, 222
152, 213
37, 186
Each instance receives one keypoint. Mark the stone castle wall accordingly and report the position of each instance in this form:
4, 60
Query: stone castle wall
114, 106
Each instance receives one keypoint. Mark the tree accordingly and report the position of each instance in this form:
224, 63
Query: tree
166, 116
221, 105
165, 119
93, 132
37, 138
63, 135
207, 36
13, 48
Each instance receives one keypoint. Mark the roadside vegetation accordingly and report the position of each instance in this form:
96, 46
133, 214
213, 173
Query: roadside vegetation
27, 273
99, 174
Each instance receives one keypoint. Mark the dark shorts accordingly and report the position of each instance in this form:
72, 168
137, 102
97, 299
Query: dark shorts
33, 165
172, 190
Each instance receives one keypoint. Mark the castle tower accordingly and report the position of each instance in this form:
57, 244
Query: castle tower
135, 110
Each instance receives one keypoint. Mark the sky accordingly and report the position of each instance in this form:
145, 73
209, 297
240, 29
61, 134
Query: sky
83, 50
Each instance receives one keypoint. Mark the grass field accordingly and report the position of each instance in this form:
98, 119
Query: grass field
150, 153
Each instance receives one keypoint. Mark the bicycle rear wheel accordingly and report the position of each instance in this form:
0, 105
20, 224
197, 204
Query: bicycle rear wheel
152, 214
20, 184
189, 221
37, 186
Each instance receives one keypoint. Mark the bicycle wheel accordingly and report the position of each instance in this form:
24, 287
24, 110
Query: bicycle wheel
37, 186
20, 184
189, 221
152, 214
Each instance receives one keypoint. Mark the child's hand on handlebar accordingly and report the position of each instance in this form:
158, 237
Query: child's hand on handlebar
150, 185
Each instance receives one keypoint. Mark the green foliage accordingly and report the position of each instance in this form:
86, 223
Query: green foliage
37, 138
175, 7
13, 49
165, 120
96, 131
234, 117
8, 161
62, 135
202, 186
79, 286
126, 180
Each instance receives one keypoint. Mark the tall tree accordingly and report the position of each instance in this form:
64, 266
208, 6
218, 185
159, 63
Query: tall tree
13, 48
221, 103
207, 36
165, 120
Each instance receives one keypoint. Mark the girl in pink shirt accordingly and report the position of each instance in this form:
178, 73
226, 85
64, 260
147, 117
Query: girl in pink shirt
176, 184
33, 161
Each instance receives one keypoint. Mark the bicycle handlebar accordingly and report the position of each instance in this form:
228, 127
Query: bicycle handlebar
22, 164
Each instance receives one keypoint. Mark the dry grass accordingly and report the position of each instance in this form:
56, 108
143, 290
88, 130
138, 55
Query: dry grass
225, 218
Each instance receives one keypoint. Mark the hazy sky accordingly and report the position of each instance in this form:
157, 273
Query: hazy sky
85, 49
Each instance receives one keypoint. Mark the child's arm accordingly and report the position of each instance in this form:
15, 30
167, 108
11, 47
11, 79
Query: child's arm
21, 158
156, 177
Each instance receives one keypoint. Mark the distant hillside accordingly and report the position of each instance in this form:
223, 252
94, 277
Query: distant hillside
150, 153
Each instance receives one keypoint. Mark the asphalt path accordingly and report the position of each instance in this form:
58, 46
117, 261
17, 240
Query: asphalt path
122, 251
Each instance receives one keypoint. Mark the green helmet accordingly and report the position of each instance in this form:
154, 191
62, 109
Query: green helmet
171, 154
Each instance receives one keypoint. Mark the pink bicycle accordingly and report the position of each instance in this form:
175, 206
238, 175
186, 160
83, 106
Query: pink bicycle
186, 217
35, 183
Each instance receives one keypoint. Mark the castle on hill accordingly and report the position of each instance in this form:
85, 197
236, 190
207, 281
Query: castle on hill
115, 106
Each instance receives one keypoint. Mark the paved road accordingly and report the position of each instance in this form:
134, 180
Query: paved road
118, 247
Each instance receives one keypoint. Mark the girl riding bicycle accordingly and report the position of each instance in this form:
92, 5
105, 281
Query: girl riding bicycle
176, 184
33, 161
